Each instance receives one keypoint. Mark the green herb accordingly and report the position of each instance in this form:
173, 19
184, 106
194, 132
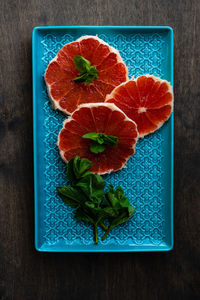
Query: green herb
87, 72
93, 186
96, 148
71, 196
122, 209
100, 140
91, 203
78, 168
87, 193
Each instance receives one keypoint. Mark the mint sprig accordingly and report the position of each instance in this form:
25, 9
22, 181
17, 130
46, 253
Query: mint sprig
100, 140
122, 209
87, 196
87, 72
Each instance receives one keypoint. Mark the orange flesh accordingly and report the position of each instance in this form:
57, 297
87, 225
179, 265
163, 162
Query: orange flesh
146, 100
61, 73
100, 119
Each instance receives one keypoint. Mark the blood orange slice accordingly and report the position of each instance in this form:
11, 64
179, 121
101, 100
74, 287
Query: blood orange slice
147, 100
64, 92
101, 118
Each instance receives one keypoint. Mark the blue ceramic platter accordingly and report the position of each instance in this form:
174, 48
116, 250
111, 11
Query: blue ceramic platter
148, 178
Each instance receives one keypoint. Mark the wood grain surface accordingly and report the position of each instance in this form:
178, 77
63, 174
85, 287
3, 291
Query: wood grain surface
26, 274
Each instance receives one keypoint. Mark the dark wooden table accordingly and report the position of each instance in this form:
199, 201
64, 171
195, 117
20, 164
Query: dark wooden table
26, 274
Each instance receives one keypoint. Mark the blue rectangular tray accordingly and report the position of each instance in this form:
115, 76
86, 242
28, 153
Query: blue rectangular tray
148, 178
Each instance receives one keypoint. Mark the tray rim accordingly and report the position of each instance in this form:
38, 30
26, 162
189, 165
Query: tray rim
127, 248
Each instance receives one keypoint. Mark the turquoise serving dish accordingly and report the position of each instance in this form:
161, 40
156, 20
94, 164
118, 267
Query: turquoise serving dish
148, 178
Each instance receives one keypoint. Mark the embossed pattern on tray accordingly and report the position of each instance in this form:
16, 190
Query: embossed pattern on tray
141, 178
148, 176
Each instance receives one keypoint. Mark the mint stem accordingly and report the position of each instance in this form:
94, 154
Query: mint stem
107, 232
103, 226
95, 234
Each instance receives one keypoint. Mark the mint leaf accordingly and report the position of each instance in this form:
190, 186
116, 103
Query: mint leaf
100, 140
109, 140
96, 148
70, 171
91, 135
93, 186
117, 199
77, 168
82, 64
82, 78
81, 166
82, 215
71, 196
87, 72
122, 209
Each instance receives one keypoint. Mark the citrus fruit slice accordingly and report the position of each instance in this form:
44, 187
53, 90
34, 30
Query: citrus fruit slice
84, 71
104, 120
147, 100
